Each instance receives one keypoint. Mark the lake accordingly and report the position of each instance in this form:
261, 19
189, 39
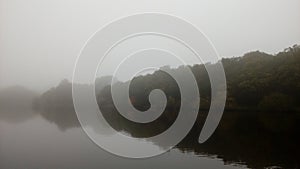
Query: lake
31, 140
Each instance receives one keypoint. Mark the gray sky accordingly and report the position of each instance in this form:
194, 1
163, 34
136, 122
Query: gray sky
40, 39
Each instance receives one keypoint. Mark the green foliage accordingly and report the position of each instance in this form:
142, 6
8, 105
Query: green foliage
255, 81
276, 102
256, 75
262, 91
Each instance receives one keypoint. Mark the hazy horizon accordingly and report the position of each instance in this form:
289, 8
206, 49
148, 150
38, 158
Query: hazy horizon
40, 40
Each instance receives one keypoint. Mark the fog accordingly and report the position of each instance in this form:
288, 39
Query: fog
41, 39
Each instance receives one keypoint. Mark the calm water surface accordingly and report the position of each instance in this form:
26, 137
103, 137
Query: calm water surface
33, 140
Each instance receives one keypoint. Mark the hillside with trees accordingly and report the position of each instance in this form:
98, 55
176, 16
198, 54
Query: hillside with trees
260, 125
255, 82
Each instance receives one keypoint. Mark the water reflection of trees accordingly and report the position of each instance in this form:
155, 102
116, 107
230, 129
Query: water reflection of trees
253, 138
259, 128
257, 139
242, 137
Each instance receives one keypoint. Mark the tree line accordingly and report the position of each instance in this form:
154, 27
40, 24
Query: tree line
256, 81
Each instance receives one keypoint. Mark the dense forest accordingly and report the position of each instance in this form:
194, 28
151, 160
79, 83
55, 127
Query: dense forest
260, 125
256, 81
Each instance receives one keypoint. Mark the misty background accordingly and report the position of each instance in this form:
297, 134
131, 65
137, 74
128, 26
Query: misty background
41, 39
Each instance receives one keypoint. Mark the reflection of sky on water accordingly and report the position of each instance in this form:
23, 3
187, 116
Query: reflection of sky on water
36, 143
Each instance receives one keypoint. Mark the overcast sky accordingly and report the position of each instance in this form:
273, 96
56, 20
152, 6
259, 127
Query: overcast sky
40, 39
